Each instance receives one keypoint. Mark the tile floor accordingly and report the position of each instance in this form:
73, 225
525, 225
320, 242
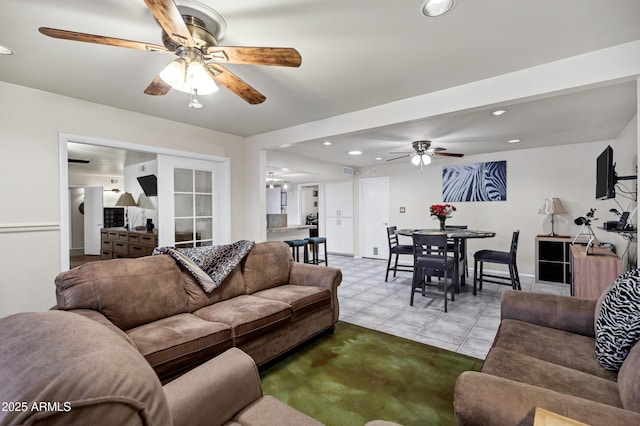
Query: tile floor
469, 327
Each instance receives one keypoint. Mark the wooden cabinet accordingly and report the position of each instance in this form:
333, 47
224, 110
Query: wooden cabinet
592, 273
553, 259
120, 243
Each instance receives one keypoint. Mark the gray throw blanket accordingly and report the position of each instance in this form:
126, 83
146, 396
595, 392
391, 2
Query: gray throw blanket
209, 265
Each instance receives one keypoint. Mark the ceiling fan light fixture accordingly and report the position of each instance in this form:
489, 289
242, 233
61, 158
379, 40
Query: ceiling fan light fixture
187, 76
415, 160
4, 50
433, 8
426, 159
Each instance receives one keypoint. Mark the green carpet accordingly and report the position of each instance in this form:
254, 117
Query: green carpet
357, 375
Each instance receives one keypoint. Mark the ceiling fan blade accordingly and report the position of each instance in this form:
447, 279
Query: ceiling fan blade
235, 84
158, 87
448, 154
170, 19
397, 158
98, 39
276, 56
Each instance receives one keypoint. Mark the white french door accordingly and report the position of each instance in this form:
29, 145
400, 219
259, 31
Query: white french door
191, 202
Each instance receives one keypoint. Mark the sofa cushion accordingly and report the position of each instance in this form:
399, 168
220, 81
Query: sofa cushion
231, 287
618, 322
629, 380
62, 358
129, 292
170, 345
302, 299
278, 413
526, 369
548, 344
249, 316
267, 266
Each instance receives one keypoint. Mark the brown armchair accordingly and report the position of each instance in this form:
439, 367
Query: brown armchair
59, 368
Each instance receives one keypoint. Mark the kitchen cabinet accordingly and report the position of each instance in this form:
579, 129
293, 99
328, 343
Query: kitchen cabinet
339, 217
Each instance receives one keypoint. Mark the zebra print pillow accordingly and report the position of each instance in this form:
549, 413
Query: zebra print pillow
618, 325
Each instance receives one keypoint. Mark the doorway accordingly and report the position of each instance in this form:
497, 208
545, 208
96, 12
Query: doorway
221, 228
374, 217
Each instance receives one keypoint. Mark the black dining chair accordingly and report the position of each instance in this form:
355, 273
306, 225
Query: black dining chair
431, 259
499, 257
397, 250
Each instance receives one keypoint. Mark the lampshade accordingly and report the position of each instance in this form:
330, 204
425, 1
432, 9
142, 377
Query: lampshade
421, 160
552, 206
126, 200
188, 75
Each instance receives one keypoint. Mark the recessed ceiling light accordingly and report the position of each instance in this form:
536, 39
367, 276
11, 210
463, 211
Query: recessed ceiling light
4, 50
433, 8
285, 169
355, 152
498, 112
378, 158
514, 141
327, 143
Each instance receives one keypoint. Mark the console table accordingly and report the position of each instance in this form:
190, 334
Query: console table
592, 273
121, 242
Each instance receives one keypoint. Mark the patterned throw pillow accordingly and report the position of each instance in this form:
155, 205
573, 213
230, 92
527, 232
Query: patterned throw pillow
618, 325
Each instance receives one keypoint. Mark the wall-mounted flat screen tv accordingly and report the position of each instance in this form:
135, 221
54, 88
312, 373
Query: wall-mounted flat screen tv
605, 175
149, 185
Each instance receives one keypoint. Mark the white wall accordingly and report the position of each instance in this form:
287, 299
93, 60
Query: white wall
147, 206
30, 123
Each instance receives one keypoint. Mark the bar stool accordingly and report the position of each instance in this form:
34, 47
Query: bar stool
315, 246
295, 249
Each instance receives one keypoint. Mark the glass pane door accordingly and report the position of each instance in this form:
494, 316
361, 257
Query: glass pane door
193, 207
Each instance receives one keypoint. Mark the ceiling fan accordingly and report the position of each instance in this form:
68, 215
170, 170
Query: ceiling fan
192, 31
422, 153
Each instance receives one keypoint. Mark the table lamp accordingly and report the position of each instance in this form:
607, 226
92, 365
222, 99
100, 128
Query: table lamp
126, 200
552, 206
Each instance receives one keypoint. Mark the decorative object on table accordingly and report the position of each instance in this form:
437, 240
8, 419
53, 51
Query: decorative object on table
126, 200
442, 212
475, 182
552, 206
586, 230
150, 225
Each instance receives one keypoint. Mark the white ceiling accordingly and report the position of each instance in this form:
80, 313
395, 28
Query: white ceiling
356, 54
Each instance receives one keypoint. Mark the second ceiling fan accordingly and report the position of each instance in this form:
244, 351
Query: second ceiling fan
423, 152
199, 57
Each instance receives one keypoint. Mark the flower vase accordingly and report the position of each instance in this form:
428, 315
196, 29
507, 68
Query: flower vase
442, 220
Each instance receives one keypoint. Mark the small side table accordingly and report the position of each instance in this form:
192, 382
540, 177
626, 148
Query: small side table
548, 418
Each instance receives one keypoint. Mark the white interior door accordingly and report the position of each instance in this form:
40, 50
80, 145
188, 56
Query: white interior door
93, 218
192, 203
374, 217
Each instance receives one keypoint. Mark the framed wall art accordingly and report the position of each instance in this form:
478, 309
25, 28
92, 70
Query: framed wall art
475, 182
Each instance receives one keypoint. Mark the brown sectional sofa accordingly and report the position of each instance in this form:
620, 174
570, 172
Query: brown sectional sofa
266, 306
544, 356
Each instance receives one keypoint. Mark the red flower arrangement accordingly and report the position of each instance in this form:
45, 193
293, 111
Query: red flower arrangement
442, 211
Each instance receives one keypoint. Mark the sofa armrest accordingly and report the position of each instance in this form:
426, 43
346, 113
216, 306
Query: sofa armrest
317, 276
98, 317
212, 393
483, 399
566, 313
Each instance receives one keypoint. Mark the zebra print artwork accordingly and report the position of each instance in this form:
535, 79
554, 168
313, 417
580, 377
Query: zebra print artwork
475, 182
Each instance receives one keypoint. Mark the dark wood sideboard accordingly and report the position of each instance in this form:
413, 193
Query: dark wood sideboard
121, 242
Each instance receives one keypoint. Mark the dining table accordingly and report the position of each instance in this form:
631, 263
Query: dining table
458, 238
